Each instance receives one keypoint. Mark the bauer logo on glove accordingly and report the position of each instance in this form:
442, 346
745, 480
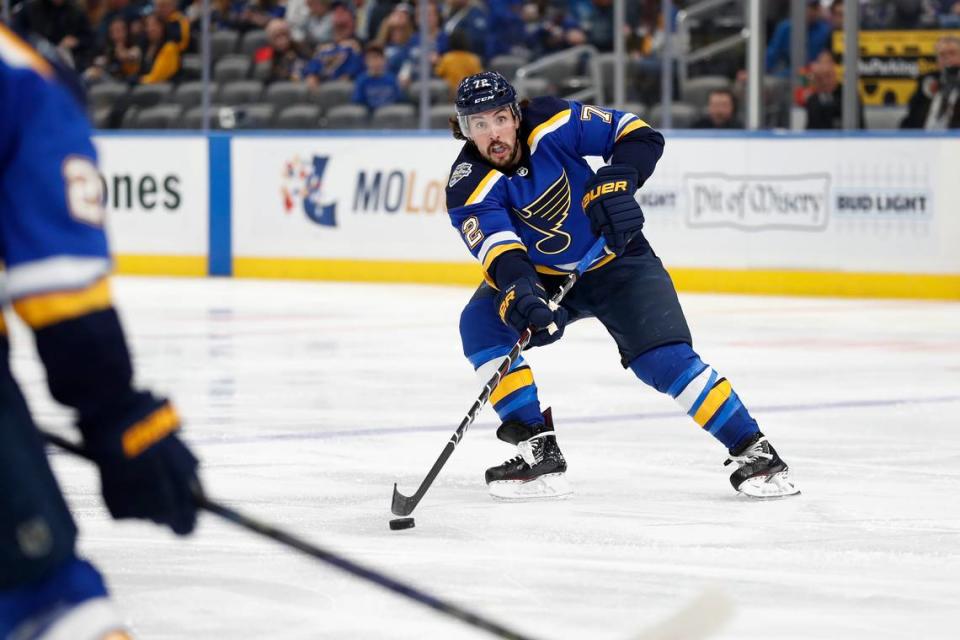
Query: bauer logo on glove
523, 305
603, 189
611, 207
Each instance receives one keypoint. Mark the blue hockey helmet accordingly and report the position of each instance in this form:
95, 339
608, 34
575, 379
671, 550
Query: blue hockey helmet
482, 92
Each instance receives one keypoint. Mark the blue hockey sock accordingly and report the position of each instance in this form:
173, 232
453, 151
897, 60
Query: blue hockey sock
675, 369
515, 398
75, 581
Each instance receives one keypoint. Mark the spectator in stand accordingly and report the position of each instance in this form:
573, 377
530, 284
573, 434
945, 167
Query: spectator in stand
410, 69
935, 104
835, 16
96, 11
119, 60
551, 28
62, 23
161, 56
281, 58
374, 12
468, 17
599, 25
395, 36
129, 11
176, 24
818, 37
824, 104
506, 26
949, 14
315, 25
340, 58
721, 112
458, 63
375, 87
225, 15
237, 15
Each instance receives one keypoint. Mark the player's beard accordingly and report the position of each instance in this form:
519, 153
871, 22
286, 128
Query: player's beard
503, 162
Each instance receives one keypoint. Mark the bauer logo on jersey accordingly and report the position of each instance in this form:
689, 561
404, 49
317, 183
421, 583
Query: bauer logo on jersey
303, 189
459, 173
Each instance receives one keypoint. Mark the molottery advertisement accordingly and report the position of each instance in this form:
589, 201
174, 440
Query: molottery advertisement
376, 198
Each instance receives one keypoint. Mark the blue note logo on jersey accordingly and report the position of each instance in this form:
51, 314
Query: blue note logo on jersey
303, 189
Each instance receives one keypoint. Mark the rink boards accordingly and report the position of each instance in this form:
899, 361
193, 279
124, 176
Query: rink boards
860, 215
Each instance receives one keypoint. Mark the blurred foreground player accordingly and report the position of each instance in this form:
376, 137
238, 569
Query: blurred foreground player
53, 253
528, 207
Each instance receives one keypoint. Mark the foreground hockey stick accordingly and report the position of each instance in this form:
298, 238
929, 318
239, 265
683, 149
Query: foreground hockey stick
404, 505
289, 540
699, 619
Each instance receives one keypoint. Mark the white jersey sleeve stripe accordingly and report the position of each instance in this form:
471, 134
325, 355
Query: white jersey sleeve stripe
59, 273
497, 238
624, 119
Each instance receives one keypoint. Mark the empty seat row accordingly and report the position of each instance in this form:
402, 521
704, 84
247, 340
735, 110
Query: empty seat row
270, 116
188, 94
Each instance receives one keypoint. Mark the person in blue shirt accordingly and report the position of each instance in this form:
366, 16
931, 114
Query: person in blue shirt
470, 18
375, 88
341, 58
54, 272
818, 39
528, 206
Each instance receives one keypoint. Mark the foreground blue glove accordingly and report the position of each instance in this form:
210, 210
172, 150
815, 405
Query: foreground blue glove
145, 470
524, 304
609, 204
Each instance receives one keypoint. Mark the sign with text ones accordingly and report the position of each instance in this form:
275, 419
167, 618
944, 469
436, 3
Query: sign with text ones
157, 194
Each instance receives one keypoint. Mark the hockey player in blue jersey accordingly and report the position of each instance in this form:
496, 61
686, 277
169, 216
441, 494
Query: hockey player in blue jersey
54, 269
528, 206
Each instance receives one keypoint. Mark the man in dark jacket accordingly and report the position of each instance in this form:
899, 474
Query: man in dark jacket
60, 22
824, 105
935, 104
721, 112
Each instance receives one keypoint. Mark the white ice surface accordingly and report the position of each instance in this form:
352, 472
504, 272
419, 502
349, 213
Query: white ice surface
307, 401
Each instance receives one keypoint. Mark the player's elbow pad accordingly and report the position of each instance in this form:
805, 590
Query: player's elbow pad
641, 149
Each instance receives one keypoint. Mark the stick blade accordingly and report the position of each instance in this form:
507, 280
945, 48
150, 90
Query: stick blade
401, 505
701, 618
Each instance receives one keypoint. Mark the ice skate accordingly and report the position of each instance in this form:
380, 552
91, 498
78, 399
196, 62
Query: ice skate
761, 473
539, 470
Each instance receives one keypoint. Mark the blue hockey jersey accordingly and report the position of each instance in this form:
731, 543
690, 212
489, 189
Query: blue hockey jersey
536, 206
53, 249
54, 253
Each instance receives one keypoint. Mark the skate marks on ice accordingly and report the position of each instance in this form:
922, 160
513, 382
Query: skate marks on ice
305, 406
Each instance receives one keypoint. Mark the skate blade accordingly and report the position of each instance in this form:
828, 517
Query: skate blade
777, 485
551, 485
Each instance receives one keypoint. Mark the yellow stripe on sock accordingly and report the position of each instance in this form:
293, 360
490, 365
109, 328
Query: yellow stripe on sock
50, 308
712, 403
512, 382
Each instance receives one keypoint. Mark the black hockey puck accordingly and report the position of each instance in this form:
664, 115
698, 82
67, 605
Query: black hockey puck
402, 523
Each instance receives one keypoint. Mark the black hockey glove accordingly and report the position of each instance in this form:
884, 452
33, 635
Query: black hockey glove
524, 304
609, 204
145, 470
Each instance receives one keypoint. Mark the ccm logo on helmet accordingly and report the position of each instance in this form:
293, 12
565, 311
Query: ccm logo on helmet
603, 189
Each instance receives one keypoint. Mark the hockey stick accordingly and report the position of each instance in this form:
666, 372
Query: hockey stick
312, 550
404, 505
700, 618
